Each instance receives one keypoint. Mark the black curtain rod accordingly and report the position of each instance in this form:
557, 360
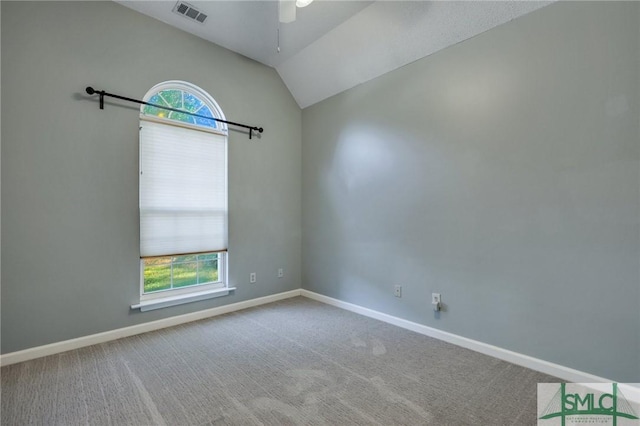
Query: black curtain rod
90, 90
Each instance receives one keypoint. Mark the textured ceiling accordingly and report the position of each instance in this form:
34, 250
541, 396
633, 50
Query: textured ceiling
386, 36
251, 27
335, 45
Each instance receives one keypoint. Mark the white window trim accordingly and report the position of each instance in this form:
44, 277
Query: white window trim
165, 302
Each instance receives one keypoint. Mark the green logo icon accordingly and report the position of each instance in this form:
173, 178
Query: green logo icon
588, 403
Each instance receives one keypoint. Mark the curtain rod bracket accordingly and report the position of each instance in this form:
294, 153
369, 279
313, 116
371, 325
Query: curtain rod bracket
91, 91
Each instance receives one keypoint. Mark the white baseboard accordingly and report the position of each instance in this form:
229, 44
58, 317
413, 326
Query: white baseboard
631, 391
562, 372
80, 342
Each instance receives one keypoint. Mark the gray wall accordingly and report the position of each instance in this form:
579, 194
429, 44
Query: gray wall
502, 172
69, 171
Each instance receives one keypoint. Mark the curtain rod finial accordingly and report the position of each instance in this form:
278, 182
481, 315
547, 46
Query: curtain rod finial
90, 90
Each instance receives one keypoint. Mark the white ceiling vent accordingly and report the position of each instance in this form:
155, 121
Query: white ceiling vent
188, 11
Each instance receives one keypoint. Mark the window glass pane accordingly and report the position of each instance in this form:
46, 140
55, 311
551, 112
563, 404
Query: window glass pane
171, 272
208, 271
156, 112
209, 256
157, 274
191, 103
184, 274
172, 97
205, 111
180, 116
156, 99
187, 258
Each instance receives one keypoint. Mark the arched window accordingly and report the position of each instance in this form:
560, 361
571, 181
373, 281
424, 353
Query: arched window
183, 196
186, 97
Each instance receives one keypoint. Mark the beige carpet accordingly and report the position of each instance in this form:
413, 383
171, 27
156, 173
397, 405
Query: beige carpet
295, 362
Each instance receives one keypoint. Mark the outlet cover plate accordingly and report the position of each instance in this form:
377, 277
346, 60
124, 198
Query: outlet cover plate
397, 290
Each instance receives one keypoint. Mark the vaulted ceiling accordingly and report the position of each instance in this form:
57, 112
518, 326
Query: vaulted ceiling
335, 45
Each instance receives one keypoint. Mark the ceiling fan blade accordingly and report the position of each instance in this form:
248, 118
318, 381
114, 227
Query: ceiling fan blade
287, 11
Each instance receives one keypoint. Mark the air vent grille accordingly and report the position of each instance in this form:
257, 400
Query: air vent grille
182, 8
186, 10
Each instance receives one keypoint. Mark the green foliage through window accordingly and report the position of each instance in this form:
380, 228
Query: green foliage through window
184, 101
171, 272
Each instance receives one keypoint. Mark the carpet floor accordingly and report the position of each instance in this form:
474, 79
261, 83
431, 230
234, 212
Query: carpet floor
293, 362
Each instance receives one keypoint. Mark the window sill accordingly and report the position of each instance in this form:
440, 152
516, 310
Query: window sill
164, 302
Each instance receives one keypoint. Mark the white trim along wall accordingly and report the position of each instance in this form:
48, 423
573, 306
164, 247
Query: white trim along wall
565, 373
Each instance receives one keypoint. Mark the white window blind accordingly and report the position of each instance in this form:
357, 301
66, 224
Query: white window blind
183, 190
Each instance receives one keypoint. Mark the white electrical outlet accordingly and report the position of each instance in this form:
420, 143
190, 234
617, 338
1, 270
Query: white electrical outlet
280, 273
397, 290
435, 298
252, 277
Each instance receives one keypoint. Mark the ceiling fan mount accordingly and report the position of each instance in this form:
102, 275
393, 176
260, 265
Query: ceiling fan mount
287, 9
